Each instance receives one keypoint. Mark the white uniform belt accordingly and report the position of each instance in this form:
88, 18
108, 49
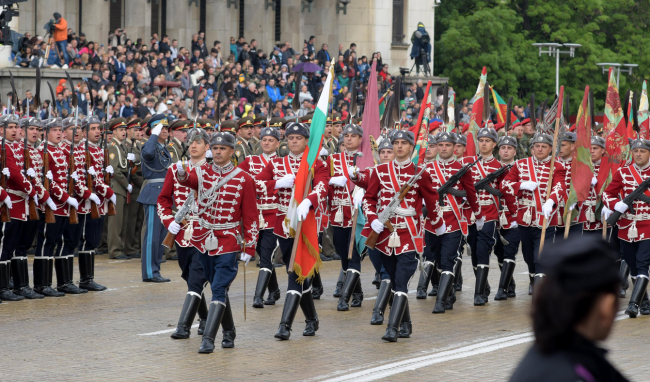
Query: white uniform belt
527, 203
410, 211
282, 208
589, 203
446, 209
213, 226
485, 202
400, 225
266, 207
637, 217
341, 202
19, 193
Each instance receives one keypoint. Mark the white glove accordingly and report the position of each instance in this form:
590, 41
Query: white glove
91, 171
377, 226
179, 168
358, 198
129, 188
323, 152
94, 198
620, 207
442, 229
109, 169
208, 154
75, 176
5, 171
174, 228
514, 225
157, 129
285, 182
7, 202
605, 212
131, 157
528, 185
572, 207
31, 173
594, 180
113, 199
338, 181
72, 202
480, 223
303, 209
36, 199
352, 170
50, 203
49, 175
547, 208
245, 257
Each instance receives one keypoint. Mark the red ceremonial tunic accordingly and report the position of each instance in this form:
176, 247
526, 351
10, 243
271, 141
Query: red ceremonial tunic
267, 201
487, 203
222, 214
567, 188
635, 226
19, 187
58, 184
381, 190
340, 198
509, 204
175, 194
101, 189
36, 163
81, 192
588, 210
529, 203
289, 164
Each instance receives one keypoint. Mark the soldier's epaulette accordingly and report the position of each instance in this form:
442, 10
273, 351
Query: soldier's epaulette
239, 142
170, 144
112, 143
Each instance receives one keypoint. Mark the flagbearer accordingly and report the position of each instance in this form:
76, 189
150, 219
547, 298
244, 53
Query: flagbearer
527, 182
226, 230
189, 257
633, 224
507, 244
341, 211
567, 147
267, 205
593, 225
279, 175
399, 249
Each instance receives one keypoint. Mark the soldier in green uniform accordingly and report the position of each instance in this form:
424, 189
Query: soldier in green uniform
117, 155
134, 210
525, 133
258, 124
244, 146
328, 141
229, 126
176, 145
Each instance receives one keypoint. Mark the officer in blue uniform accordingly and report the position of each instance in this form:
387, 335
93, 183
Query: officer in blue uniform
155, 161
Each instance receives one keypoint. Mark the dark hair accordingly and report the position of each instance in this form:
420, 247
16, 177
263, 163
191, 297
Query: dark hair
556, 312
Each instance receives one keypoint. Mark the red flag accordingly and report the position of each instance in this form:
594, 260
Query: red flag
476, 118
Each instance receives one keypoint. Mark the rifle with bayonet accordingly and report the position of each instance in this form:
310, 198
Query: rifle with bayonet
448, 187
107, 177
637, 194
94, 210
385, 215
74, 219
49, 214
4, 211
179, 218
484, 184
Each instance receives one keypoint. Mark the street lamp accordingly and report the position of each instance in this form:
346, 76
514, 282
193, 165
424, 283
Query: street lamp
554, 50
617, 67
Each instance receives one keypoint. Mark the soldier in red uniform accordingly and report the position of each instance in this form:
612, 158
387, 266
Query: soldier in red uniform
267, 205
279, 175
507, 244
566, 158
50, 235
224, 229
20, 190
633, 224
341, 209
453, 224
189, 257
400, 248
527, 182
72, 233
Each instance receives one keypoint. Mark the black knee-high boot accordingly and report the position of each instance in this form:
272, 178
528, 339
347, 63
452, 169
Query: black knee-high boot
316, 286
435, 280
263, 278
639, 290
309, 310
425, 278
274, 290
215, 315
188, 312
395, 318
383, 296
228, 326
291, 303
351, 281
339, 283
203, 315
444, 289
507, 271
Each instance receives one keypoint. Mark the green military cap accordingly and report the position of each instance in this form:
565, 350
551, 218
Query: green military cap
245, 122
116, 123
307, 118
179, 124
229, 126
277, 122
259, 121
135, 122
337, 119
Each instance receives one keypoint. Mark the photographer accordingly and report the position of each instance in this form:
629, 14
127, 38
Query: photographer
59, 31
421, 51
117, 38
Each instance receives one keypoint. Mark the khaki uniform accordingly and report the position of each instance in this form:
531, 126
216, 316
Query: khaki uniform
176, 148
117, 224
243, 149
134, 210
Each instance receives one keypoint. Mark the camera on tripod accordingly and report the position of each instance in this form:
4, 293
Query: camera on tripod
8, 13
421, 50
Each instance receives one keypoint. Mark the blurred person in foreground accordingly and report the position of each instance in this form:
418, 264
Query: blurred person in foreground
574, 307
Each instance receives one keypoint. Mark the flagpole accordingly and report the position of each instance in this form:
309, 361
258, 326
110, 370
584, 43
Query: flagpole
550, 172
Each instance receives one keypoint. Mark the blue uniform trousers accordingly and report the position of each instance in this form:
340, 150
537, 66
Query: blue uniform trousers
510, 250
220, 271
530, 238
400, 269
50, 235
91, 233
375, 259
152, 236
450, 244
11, 232
486, 238
285, 247
342, 245
27, 235
189, 260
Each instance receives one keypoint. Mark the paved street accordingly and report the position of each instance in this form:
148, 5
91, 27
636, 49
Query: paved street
123, 335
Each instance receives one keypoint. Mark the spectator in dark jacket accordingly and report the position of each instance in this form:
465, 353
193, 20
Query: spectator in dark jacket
323, 55
250, 93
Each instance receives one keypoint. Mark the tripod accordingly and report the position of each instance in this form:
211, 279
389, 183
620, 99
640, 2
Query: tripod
423, 62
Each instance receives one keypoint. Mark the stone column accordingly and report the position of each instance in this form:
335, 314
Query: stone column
292, 24
259, 24
137, 19
95, 21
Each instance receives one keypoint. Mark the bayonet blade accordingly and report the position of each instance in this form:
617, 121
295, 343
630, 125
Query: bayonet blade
445, 103
508, 115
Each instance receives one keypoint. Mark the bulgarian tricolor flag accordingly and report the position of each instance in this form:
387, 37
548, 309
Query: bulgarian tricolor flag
421, 129
582, 169
307, 260
644, 121
502, 108
476, 118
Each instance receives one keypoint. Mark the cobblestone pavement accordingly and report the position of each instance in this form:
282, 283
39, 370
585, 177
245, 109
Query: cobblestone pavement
122, 334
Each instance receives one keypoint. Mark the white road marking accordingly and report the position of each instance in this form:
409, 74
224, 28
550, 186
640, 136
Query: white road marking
433, 357
165, 331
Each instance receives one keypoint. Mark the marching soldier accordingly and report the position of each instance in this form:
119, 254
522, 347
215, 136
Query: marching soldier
155, 162
19, 190
507, 245
176, 145
452, 225
267, 205
593, 225
341, 208
566, 158
244, 147
134, 210
224, 229
633, 225
279, 175
50, 235
118, 160
527, 182
399, 248
524, 142
460, 146
189, 257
